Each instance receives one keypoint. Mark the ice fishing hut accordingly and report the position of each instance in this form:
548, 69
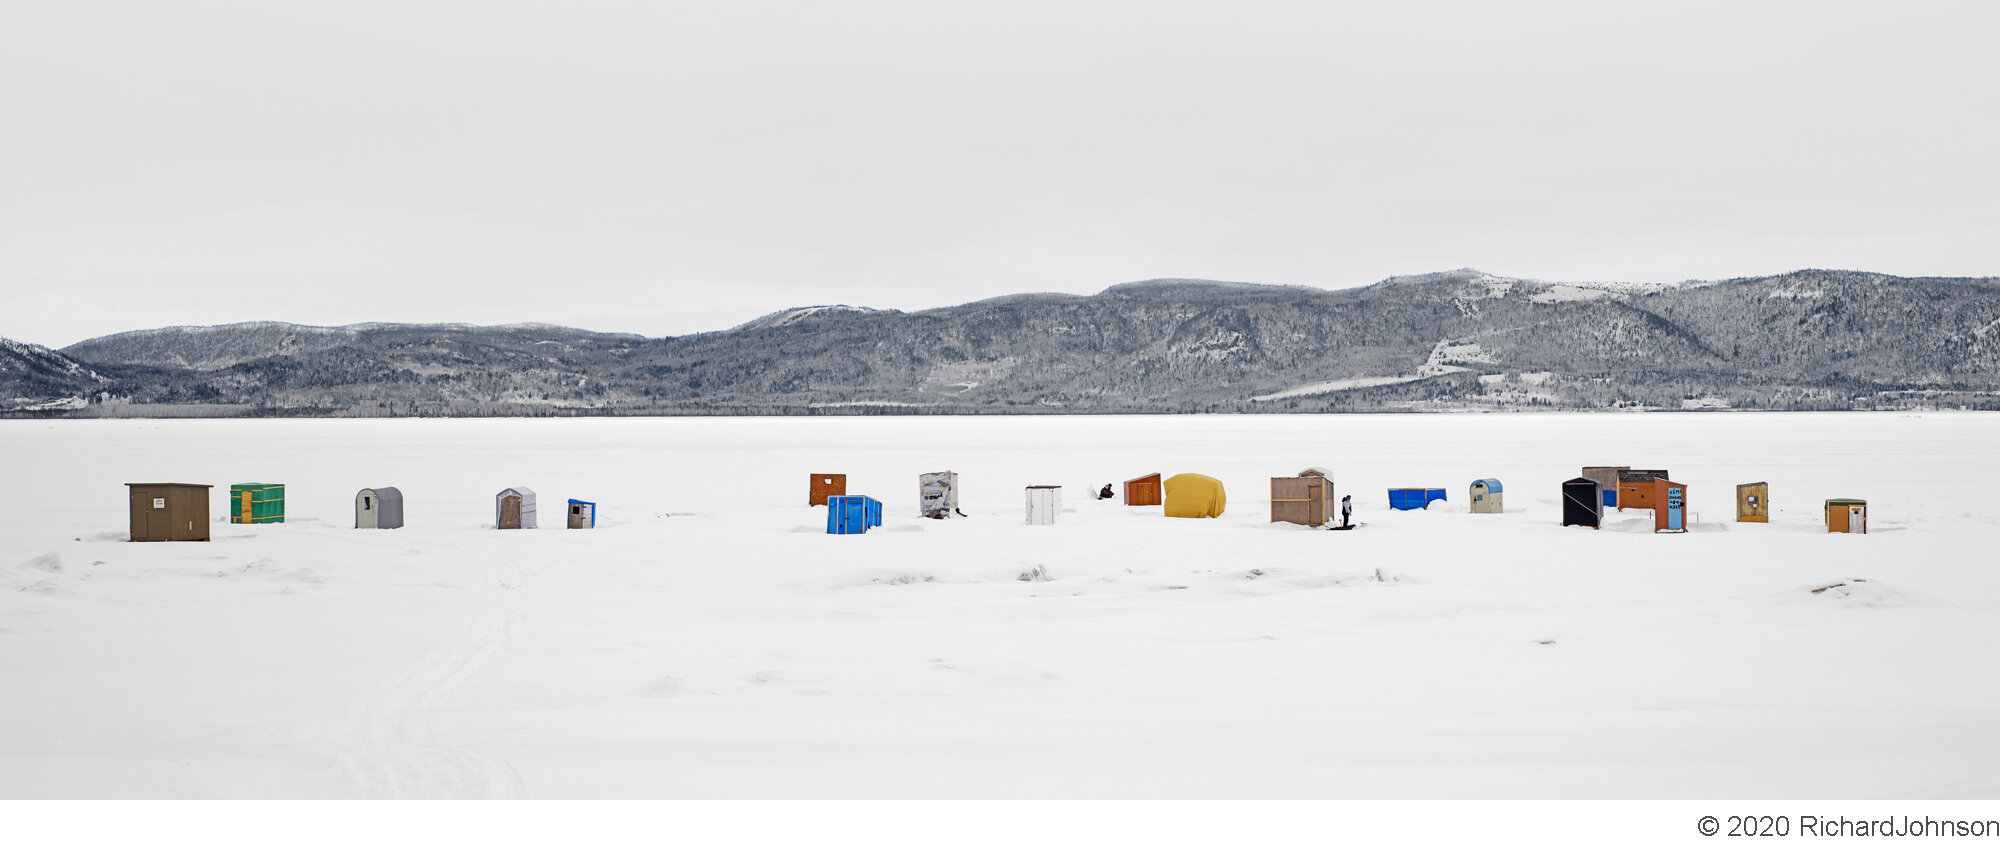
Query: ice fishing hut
1753, 503
1607, 481
1193, 495
1583, 503
1144, 490
1413, 499
1044, 503
1669, 506
1487, 497
937, 494
1847, 515
378, 508
168, 511
1635, 487
514, 508
1306, 499
852, 515
826, 485
582, 515
256, 502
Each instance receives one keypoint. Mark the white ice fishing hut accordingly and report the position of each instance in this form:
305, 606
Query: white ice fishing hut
1044, 502
937, 494
1487, 497
514, 508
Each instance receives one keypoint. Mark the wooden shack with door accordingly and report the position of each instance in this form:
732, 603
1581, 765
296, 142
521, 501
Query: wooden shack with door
1607, 481
378, 508
1583, 503
514, 508
1193, 495
825, 485
1306, 499
1044, 503
1487, 497
1669, 507
1145, 490
257, 502
1669, 500
582, 515
1753, 503
1847, 515
168, 511
1635, 487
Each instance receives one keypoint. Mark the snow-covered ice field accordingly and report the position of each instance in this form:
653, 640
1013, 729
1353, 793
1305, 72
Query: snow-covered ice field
709, 640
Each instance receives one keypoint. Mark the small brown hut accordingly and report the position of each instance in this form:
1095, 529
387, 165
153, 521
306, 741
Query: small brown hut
1145, 490
825, 485
168, 511
1635, 487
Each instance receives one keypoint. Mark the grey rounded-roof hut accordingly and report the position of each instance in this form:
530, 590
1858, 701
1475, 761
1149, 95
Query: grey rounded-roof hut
378, 508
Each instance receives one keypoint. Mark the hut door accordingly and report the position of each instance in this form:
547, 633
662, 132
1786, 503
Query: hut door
1857, 519
1316, 504
510, 512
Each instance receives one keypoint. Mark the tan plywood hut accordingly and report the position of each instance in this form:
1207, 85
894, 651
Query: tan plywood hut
1753, 503
1145, 490
825, 485
168, 511
1306, 499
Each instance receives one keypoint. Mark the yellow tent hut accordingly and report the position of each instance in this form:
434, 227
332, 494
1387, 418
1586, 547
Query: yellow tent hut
1193, 495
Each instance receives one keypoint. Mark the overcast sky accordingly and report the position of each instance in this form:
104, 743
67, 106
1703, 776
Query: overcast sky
668, 167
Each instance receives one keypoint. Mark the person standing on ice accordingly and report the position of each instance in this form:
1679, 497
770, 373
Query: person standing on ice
1346, 510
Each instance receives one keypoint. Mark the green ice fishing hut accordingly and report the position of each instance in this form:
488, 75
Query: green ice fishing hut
257, 502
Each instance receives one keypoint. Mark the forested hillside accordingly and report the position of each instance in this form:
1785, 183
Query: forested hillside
1446, 341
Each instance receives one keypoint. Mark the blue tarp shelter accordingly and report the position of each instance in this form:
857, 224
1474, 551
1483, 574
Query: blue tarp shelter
1412, 499
852, 515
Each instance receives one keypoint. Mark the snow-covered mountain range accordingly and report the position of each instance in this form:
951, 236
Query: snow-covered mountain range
1444, 341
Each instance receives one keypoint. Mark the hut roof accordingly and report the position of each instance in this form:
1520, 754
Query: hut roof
1492, 485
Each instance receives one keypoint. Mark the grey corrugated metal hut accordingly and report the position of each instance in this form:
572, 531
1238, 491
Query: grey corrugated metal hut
514, 508
378, 508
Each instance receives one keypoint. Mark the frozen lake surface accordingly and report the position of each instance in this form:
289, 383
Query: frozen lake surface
709, 640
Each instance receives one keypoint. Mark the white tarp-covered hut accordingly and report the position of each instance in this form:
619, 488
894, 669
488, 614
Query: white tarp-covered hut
937, 495
514, 508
